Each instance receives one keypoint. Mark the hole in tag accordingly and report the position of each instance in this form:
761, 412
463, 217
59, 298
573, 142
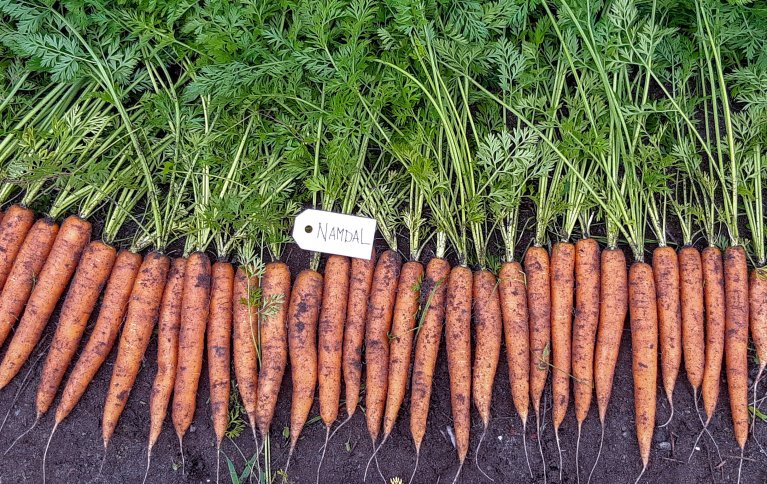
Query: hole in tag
308, 229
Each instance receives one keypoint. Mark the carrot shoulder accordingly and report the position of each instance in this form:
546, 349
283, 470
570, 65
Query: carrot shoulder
140, 319
48, 287
89, 280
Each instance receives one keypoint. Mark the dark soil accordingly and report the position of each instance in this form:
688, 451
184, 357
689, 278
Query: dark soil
76, 452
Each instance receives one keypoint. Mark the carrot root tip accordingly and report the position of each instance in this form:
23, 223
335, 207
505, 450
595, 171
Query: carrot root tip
476, 455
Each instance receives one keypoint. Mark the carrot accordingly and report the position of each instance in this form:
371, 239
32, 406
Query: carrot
104, 333
360, 282
736, 338
562, 282
89, 280
303, 312
48, 288
758, 313
331, 334
587, 279
377, 328
513, 296
691, 295
245, 341
401, 343
488, 326
644, 348
665, 266
713, 292
140, 319
275, 293
14, 227
195, 304
28, 264
434, 288
613, 306
379, 317
458, 339
169, 321
219, 335
539, 310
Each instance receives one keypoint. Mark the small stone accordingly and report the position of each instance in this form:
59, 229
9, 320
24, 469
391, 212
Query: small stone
664, 445
625, 434
192, 429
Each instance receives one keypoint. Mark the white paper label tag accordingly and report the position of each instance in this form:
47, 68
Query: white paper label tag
335, 233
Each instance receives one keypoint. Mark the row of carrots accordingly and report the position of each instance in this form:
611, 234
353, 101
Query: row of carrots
565, 310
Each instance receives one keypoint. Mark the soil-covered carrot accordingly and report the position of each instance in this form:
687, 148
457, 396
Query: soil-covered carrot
14, 227
168, 323
245, 340
26, 268
736, 338
113, 304
219, 336
88, 282
195, 304
644, 348
613, 306
275, 295
335, 297
50, 284
401, 343
140, 319
303, 311
378, 325
539, 309
691, 295
713, 296
513, 296
562, 282
758, 314
488, 326
458, 339
587, 285
665, 265
360, 282
433, 293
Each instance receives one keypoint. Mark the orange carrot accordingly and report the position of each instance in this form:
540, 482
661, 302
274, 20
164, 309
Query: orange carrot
14, 227
758, 313
169, 322
113, 304
140, 319
539, 307
219, 335
489, 327
736, 338
644, 347
275, 294
713, 292
303, 312
195, 305
89, 279
665, 266
691, 295
26, 268
360, 282
434, 289
48, 288
245, 340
